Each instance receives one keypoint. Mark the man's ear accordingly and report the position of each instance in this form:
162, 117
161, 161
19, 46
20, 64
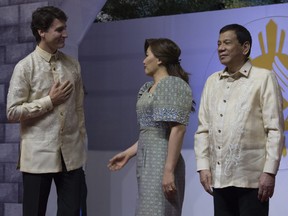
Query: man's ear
41, 33
159, 62
246, 47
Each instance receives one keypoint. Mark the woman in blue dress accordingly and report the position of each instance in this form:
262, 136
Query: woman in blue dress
163, 109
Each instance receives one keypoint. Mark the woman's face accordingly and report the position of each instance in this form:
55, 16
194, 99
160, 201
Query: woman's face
151, 63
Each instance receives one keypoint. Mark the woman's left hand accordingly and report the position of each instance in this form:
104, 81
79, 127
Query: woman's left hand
168, 184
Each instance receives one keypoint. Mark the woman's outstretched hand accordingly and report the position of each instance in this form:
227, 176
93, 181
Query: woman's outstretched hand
118, 161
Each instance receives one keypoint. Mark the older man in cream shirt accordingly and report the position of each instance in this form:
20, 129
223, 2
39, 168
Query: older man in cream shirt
240, 138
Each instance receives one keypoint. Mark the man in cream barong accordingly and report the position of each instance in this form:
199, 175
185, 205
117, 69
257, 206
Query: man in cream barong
239, 140
46, 97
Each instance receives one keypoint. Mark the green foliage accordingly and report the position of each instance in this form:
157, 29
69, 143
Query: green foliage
131, 9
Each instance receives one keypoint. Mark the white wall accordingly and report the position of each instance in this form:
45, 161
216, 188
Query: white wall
81, 15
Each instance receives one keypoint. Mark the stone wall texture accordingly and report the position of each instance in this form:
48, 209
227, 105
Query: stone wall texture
16, 41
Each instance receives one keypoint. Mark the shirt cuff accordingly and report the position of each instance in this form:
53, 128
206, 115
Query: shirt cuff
271, 167
47, 103
203, 164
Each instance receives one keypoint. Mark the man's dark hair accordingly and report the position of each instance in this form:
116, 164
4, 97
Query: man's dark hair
243, 35
43, 17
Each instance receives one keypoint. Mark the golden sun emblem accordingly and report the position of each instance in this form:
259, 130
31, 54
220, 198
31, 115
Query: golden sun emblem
274, 59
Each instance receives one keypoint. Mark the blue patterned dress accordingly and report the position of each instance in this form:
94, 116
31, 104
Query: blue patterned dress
170, 102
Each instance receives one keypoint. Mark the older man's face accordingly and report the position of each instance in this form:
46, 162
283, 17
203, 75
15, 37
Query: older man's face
231, 53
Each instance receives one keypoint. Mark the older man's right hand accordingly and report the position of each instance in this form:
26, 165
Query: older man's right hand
206, 180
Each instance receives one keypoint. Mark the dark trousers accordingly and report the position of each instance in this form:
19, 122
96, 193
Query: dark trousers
36, 189
234, 201
84, 192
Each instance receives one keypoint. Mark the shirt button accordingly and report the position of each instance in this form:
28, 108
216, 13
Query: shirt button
61, 113
219, 131
218, 163
221, 115
219, 147
224, 101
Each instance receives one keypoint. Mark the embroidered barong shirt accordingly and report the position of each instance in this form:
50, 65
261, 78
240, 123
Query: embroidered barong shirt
47, 131
240, 132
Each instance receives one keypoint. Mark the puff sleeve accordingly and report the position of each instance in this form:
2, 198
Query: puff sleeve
173, 101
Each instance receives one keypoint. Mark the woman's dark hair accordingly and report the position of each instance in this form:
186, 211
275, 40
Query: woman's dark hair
168, 53
242, 34
43, 17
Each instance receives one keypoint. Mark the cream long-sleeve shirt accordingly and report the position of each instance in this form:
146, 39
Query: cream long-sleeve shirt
240, 132
47, 131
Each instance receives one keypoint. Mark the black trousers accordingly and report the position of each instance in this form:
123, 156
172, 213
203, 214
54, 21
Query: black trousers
84, 193
234, 201
69, 187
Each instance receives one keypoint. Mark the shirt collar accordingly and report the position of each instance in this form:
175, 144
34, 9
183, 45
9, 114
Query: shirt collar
243, 72
45, 55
